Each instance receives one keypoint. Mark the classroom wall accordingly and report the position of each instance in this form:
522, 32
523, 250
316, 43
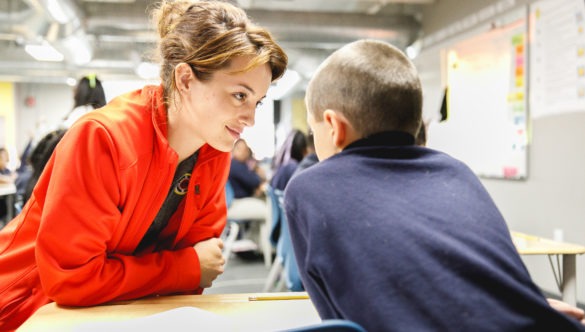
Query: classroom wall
552, 197
39, 108
299, 114
7, 133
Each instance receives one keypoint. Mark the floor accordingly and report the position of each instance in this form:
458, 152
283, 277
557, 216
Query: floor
243, 274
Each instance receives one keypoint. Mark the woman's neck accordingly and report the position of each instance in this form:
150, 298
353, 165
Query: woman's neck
181, 138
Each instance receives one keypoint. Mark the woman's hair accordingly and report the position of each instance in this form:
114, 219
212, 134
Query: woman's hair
294, 147
207, 35
89, 91
373, 84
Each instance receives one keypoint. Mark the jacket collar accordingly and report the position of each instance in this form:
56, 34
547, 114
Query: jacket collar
386, 138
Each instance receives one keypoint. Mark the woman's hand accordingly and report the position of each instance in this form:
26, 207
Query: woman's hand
210, 260
567, 309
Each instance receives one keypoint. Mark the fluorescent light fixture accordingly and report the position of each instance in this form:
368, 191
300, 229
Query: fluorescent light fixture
78, 49
284, 85
44, 52
58, 11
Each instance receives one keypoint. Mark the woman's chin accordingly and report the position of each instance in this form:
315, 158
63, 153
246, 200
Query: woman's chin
223, 146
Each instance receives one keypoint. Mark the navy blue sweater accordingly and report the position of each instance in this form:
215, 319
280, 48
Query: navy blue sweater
243, 180
398, 237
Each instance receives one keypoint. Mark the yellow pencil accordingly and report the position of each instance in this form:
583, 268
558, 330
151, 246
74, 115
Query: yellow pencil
279, 297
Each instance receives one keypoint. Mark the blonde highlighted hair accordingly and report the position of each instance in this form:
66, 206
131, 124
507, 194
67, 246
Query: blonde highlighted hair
207, 35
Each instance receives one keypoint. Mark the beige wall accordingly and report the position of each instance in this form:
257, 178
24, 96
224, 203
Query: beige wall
7, 127
299, 115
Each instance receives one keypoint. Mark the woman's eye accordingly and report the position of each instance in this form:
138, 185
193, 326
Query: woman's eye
258, 104
240, 96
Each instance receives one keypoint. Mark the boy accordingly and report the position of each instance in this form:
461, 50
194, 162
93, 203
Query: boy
394, 236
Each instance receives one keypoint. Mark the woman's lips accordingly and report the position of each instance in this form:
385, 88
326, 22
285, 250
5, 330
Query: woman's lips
235, 133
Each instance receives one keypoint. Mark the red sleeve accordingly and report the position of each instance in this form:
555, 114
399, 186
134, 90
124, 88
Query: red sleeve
80, 216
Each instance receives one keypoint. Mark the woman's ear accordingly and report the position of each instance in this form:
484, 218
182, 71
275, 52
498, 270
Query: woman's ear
183, 76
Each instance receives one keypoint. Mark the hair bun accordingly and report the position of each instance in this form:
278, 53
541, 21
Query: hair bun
168, 13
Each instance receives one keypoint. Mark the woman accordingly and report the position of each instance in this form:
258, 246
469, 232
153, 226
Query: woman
132, 200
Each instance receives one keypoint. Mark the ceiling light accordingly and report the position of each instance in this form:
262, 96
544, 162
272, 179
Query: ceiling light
59, 12
414, 49
77, 48
44, 52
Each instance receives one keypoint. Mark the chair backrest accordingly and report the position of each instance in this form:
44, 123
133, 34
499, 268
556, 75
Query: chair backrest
284, 249
331, 325
276, 214
229, 194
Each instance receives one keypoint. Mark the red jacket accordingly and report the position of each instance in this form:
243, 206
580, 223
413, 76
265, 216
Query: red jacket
73, 243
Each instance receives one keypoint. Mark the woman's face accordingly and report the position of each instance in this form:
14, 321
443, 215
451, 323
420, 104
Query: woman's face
218, 110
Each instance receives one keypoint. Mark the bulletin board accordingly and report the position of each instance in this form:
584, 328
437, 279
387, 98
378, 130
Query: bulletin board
557, 57
487, 100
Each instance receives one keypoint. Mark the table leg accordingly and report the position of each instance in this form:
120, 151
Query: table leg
569, 281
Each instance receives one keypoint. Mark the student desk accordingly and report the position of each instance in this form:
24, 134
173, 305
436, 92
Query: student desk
247, 315
8, 190
565, 276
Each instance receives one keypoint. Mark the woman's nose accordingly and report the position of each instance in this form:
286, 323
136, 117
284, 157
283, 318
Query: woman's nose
249, 117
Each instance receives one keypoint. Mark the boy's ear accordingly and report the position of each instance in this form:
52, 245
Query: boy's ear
342, 132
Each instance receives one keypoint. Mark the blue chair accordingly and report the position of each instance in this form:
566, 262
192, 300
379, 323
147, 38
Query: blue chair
331, 325
284, 270
229, 194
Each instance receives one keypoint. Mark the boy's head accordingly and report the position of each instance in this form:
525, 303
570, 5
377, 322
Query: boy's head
364, 88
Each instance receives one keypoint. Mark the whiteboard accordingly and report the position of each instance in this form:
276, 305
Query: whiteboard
487, 101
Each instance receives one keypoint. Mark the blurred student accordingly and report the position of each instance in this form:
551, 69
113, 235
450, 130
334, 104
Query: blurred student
39, 157
88, 95
395, 236
131, 202
310, 157
246, 176
6, 177
290, 154
280, 235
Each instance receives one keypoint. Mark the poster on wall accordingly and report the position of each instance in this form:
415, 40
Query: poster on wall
487, 103
557, 57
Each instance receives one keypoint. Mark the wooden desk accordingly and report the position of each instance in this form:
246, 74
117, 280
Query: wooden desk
272, 315
565, 276
8, 190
